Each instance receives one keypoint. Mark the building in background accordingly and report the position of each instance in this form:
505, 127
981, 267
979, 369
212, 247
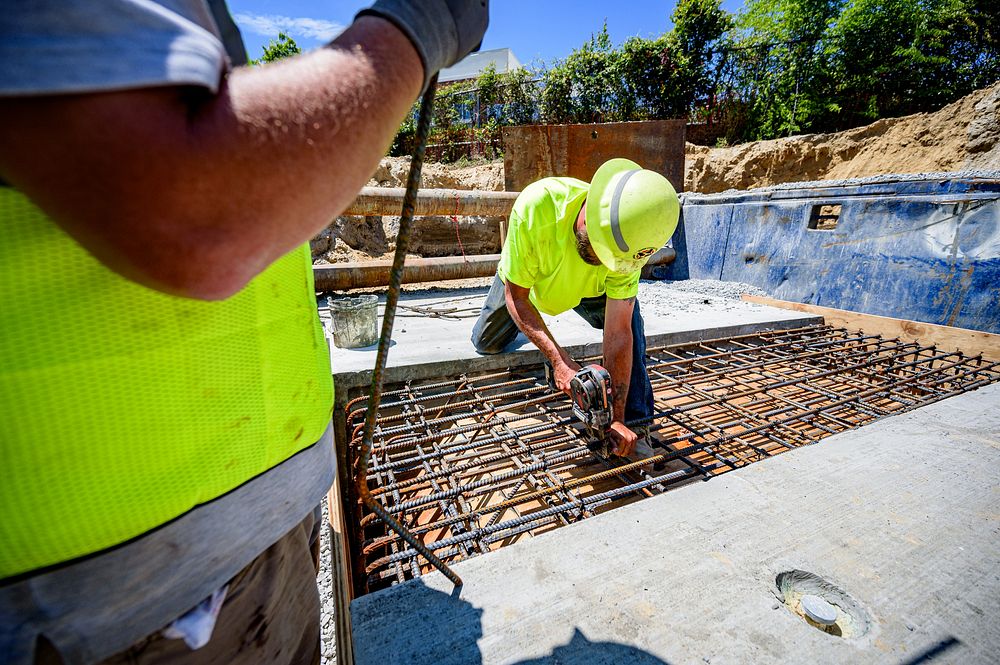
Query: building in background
502, 59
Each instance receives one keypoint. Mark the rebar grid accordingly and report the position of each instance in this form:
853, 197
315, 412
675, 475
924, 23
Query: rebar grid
472, 464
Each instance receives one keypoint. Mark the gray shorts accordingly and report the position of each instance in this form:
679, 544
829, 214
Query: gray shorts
270, 615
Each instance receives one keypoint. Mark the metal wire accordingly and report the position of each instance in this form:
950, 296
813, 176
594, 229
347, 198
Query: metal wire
470, 464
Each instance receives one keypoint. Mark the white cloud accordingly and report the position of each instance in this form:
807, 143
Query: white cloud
270, 25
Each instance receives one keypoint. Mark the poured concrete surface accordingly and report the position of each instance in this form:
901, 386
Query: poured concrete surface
424, 346
902, 515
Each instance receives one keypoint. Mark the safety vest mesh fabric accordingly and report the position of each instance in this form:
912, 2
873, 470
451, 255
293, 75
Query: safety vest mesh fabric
122, 408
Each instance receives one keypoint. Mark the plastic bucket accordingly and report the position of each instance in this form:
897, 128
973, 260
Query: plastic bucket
354, 321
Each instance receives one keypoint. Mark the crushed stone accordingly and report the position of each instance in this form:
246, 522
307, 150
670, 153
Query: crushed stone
693, 296
324, 580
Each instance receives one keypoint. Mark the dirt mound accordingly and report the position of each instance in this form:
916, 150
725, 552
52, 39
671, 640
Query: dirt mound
963, 135
487, 176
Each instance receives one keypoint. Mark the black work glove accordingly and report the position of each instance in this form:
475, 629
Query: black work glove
442, 31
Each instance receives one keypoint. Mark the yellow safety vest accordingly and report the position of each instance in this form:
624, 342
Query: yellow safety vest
122, 408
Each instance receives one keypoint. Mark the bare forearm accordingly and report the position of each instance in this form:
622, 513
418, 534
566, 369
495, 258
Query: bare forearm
196, 198
530, 322
618, 350
618, 361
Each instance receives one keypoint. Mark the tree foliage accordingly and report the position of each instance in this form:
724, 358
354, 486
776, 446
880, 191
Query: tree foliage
826, 65
779, 67
283, 47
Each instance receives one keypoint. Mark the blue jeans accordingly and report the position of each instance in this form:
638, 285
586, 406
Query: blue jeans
495, 329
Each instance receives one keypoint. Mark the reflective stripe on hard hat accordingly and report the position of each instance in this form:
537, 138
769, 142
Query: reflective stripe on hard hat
616, 229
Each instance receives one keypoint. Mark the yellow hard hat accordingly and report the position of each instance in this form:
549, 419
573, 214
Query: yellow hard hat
631, 213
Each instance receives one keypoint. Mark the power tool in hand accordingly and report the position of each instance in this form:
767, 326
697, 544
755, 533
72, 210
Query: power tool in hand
590, 390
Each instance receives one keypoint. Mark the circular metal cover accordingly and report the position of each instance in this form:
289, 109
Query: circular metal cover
819, 610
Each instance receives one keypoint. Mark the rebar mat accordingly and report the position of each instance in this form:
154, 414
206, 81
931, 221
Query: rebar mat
472, 464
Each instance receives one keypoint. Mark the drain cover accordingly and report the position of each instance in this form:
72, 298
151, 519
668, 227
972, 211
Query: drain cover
821, 604
819, 610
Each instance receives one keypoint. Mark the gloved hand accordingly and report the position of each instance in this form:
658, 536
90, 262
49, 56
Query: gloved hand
442, 31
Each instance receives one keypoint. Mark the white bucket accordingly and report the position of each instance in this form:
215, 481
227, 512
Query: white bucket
354, 321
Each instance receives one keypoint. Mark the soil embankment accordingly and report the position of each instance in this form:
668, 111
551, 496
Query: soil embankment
962, 136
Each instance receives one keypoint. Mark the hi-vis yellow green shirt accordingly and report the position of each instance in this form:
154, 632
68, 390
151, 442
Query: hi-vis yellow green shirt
540, 250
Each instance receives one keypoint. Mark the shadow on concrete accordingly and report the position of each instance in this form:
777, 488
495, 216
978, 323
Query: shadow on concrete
411, 623
370, 347
931, 653
518, 342
581, 650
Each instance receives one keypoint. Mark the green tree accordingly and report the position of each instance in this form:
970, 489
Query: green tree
896, 57
781, 58
645, 78
283, 47
585, 87
699, 26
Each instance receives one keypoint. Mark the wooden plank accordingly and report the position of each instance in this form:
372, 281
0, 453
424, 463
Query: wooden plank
970, 342
341, 574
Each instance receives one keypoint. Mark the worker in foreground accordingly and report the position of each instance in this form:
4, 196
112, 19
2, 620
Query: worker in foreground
165, 387
576, 246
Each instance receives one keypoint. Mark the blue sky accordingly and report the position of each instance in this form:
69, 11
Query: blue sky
536, 30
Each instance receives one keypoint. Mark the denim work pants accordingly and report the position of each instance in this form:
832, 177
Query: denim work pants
495, 329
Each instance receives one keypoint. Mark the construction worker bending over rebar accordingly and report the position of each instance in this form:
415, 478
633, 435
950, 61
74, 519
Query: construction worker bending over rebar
576, 246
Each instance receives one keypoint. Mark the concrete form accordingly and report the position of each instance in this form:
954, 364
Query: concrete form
901, 515
426, 346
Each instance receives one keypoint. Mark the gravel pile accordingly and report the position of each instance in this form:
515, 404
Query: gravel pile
706, 287
324, 581
693, 296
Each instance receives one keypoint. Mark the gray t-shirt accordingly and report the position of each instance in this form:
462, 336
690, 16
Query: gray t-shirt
92, 608
66, 46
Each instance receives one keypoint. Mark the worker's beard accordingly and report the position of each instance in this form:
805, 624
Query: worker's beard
584, 249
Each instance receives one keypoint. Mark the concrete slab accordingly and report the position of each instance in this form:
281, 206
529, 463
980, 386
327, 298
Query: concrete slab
902, 515
424, 346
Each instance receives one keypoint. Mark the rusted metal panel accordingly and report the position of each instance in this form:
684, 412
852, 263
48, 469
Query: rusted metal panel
537, 151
